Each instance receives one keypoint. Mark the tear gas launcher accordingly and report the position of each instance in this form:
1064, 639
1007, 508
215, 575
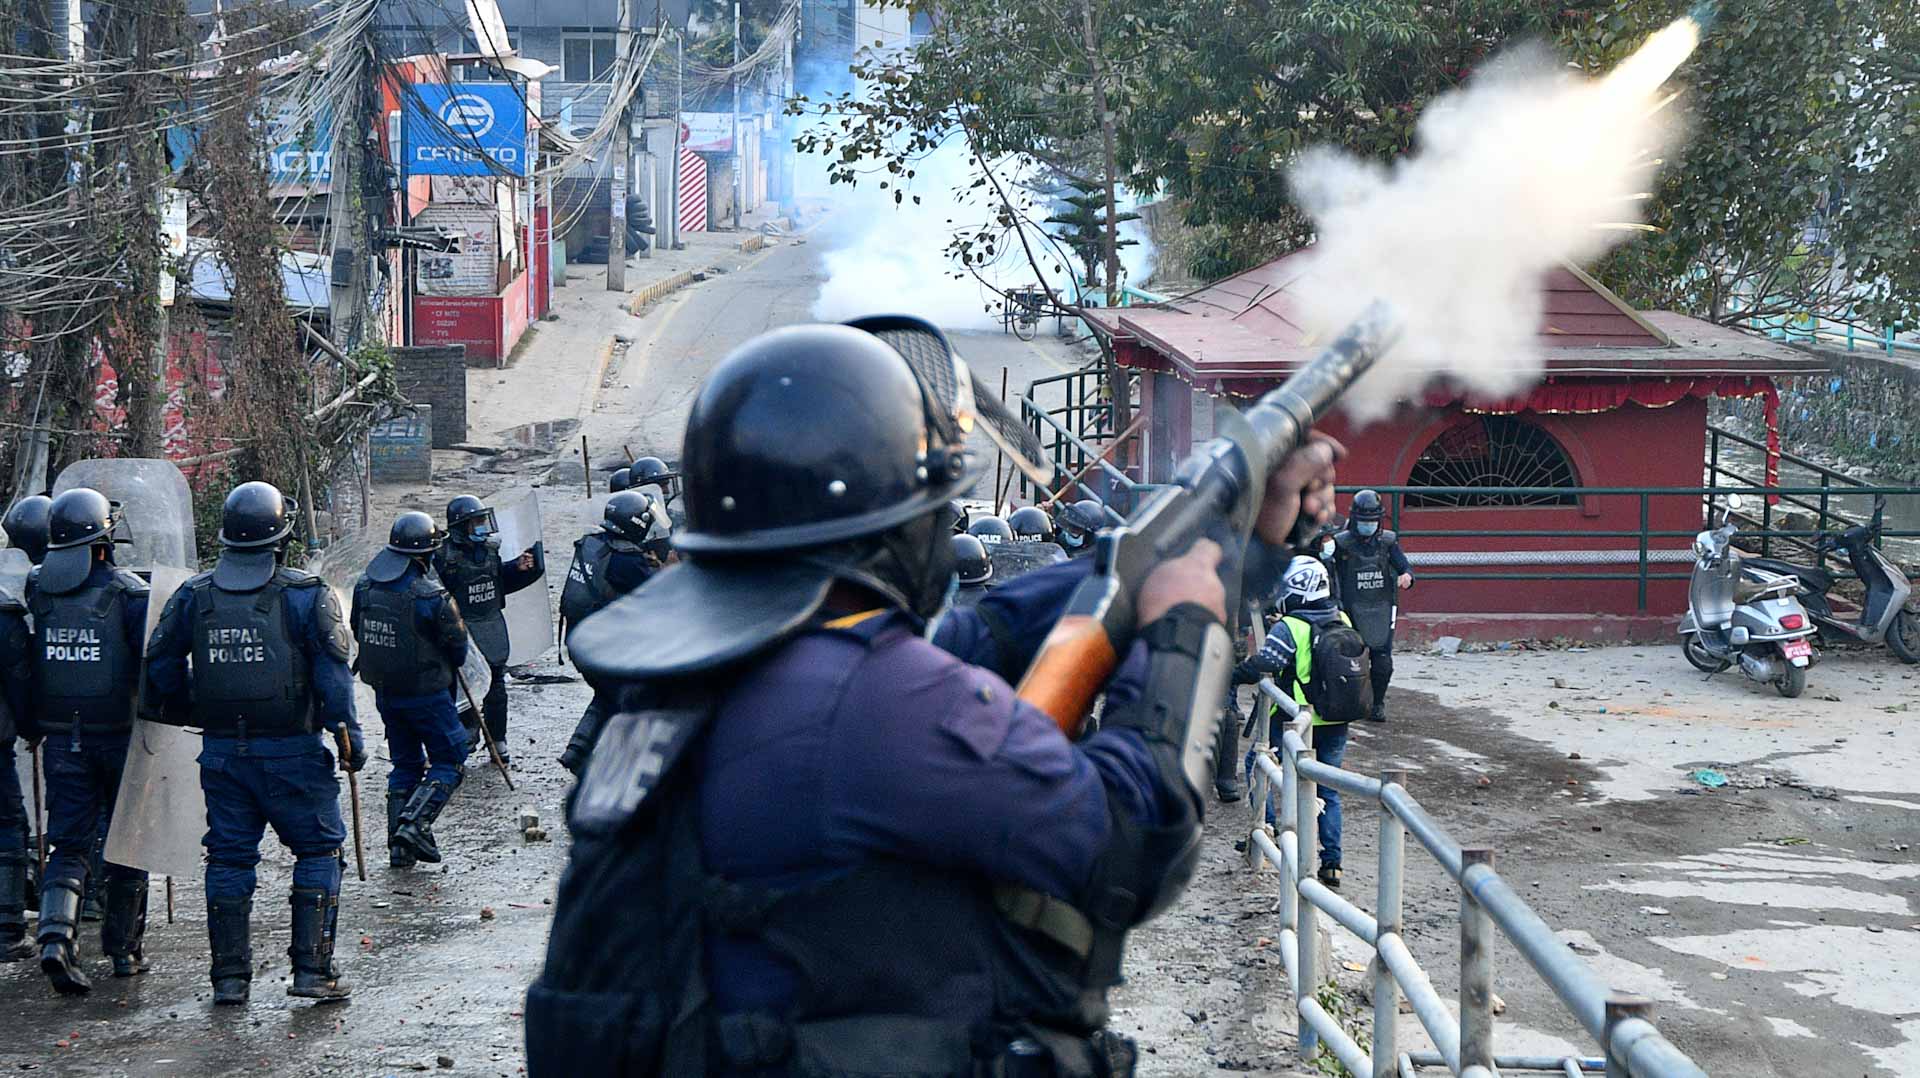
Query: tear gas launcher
1215, 495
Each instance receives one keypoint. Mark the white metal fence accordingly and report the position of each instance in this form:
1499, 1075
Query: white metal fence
1620, 1024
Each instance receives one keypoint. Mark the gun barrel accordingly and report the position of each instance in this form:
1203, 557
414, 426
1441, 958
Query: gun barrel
1283, 417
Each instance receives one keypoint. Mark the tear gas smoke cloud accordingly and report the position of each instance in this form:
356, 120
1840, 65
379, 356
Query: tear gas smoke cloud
1526, 167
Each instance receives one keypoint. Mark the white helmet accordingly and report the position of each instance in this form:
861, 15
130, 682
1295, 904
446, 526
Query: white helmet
1306, 582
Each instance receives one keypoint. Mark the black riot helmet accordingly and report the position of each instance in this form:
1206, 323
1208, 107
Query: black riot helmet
654, 470
990, 529
810, 435
629, 515
1366, 507
1082, 518
415, 535
971, 561
466, 512
620, 481
1031, 522
80, 517
26, 526
256, 516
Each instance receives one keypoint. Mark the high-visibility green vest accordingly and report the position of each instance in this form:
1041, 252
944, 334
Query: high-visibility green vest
1302, 631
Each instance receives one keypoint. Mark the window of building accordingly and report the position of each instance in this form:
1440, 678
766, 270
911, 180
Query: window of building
585, 57
484, 71
1501, 452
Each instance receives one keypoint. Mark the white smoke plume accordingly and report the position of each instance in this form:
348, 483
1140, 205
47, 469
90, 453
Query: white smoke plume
1525, 167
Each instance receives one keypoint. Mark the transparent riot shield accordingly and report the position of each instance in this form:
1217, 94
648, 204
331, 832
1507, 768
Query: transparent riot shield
160, 815
530, 610
156, 508
1011, 559
34, 796
14, 567
475, 677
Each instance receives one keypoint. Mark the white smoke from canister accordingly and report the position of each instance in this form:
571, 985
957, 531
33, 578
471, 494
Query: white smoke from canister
1528, 166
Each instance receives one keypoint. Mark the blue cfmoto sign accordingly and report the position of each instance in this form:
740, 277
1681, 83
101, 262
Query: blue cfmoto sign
466, 129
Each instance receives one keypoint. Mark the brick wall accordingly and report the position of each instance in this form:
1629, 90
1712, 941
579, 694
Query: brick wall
436, 376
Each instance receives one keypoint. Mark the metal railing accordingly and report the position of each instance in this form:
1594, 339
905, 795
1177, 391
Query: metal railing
1641, 561
1826, 516
1810, 328
1630, 1045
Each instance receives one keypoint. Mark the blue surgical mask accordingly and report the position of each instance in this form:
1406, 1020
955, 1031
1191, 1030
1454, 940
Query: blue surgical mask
481, 531
1072, 540
1367, 527
1326, 550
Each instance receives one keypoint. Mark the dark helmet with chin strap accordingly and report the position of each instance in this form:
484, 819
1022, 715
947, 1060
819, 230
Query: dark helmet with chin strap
654, 470
1367, 507
1031, 522
78, 521
970, 560
814, 455
620, 481
415, 535
256, 517
26, 526
466, 512
629, 515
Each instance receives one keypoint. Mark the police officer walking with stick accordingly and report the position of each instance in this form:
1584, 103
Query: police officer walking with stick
1372, 570
412, 643
89, 623
468, 563
629, 548
26, 528
812, 841
254, 654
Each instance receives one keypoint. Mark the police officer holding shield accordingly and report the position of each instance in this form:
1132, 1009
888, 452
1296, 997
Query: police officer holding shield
89, 623
1372, 570
630, 546
411, 643
468, 563
254, 654
927, 877
26, 528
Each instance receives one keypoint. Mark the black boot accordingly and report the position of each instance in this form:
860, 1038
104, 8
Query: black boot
1226, 763
123, 930
399, 854
1379, 713
314, 974
59, 940
13, 913
416, 819
1330, 876
229, 938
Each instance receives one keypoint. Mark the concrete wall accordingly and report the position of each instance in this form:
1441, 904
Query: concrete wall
1866, 412
436, 376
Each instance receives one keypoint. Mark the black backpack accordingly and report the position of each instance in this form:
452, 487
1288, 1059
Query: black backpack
1340, 678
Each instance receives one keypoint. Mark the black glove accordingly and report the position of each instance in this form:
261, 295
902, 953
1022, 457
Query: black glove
356, 757
574, 757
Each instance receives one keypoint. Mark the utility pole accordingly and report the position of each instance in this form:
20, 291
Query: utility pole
739, 151
622, 151
1102, 108
356, 202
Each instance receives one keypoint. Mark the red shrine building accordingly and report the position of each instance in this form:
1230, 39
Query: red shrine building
1531, 552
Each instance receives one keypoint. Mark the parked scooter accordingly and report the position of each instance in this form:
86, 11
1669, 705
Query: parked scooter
1884, 617
1747, 618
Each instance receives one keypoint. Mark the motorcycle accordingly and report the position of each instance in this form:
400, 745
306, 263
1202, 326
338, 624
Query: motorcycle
1749, 617
1884, 617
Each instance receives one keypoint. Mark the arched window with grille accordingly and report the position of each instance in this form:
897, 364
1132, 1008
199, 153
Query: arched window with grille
1502, 453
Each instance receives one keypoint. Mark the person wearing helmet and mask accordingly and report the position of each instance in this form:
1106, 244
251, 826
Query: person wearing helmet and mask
255, 654
1313, 654
411, 642
1372, 570
26, 527
927, 878
1079, 523
89, 625
629, 547
469, 564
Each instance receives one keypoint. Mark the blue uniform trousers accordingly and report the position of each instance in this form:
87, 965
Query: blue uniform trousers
83, 779
287, 782
425, 739
13, 837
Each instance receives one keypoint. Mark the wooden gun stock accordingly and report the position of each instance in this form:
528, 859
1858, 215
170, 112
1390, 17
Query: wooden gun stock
1073, 666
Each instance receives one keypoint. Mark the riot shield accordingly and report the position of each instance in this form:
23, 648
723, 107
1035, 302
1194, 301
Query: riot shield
1021, 556
156, 508
14, 567
476, 675
161, 814
530, 610
23, 767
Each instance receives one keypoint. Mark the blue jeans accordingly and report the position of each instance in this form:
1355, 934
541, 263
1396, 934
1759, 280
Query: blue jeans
422, 729
1329, 747
83, 779
297, 794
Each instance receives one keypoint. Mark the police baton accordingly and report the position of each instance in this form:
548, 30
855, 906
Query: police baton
353, 789
480, 720
39, 814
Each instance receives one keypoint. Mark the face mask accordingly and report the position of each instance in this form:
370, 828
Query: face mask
1326, 549
1367, 527
481, 531
1072, 540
